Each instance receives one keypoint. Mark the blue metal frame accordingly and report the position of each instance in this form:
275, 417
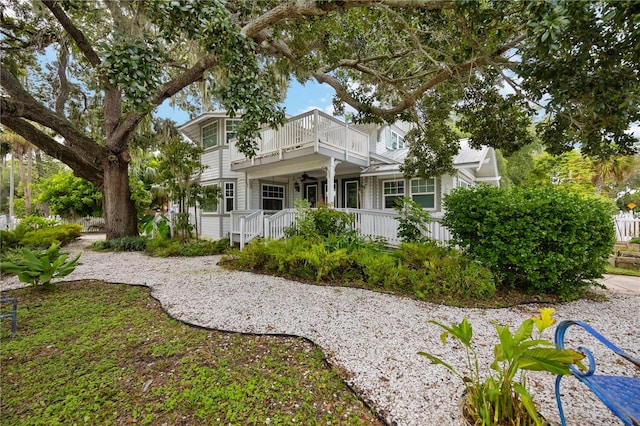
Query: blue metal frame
13, 315
620, 394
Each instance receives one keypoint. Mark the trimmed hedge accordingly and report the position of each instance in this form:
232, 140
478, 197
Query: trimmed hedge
541, 240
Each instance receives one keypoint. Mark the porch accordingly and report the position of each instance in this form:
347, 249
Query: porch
308, 134
249, 225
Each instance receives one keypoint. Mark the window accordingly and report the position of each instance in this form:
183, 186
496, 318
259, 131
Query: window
210, 204
272, 197
463, 183
231, 127
394, 140
229, 197
392, 190
210, 135
423, 192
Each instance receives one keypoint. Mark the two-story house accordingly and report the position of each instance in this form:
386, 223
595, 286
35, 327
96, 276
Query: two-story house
312, 149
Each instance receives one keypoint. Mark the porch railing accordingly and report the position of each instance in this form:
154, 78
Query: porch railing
308, 129
369, 223
251, 226
275, 225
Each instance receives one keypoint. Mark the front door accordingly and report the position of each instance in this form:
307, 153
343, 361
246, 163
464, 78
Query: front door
311, 193
351, 194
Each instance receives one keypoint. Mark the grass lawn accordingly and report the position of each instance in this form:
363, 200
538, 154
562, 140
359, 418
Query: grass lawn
94, 353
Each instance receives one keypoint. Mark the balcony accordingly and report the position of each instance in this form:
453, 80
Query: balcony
308, 134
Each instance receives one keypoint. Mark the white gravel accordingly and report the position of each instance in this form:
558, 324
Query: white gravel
373, 337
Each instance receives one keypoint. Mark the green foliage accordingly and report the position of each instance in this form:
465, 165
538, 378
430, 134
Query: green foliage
635, 240
38, 232
121, 244
63, 234
321, 222
149, 226
89, 354
70, 196
540, 240
40, 267
418, 269
162, 247
413, 221
499, 394
182, 228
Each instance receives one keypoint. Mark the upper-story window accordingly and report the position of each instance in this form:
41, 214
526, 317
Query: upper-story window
394, 140
231, 127
210, 135
423, 192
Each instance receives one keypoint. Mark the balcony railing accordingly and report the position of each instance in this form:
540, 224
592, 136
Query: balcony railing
311, 129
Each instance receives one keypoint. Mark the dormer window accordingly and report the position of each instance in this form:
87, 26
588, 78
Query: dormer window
394, 140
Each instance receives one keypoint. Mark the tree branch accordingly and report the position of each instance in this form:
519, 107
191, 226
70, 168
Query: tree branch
412, 98
75, 33
300, 8
22, 104
81, 168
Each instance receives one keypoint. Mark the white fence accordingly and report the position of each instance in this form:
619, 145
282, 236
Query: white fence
627, 226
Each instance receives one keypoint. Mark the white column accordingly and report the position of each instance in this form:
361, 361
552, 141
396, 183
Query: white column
331, 175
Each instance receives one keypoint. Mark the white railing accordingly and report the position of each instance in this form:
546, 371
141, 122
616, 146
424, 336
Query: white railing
368, 223
311, 129
251, 226
375, 224
627, 226
275, 225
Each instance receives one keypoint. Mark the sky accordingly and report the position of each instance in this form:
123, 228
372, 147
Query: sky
299, 99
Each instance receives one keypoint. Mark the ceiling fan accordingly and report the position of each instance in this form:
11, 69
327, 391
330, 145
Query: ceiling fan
305, 177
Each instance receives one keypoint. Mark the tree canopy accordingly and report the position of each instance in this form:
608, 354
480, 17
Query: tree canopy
494, 66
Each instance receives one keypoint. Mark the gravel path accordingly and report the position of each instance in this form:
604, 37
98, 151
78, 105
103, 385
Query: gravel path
373, 337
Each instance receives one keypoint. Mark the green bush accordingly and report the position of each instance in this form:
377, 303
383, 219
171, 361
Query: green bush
635, 240
541, 240
37, 234
321, 222
44, 237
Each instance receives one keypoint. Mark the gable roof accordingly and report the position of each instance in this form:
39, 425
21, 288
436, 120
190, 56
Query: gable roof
467, 158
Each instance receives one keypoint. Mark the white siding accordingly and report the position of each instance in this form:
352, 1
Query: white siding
210, 159
210, 226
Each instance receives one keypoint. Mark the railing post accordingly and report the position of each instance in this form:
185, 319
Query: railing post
242, 225
316, 121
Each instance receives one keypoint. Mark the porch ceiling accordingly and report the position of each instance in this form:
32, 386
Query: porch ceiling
314, 165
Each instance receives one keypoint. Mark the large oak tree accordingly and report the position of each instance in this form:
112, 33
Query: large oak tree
491, 65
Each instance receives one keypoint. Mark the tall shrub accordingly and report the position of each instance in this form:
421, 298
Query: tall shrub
539, 239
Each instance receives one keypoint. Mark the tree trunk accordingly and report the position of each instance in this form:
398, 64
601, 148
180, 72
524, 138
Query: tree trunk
119, 210
27, 186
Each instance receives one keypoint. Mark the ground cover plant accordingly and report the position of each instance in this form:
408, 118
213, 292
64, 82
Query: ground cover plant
163, 247
96, 353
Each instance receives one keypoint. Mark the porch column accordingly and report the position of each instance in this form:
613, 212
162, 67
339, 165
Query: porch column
331, 175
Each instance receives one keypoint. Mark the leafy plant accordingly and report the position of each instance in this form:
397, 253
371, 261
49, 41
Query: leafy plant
39, 268
121, 244
635, 240
502, 397
540, 240
153, 227
413, 221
